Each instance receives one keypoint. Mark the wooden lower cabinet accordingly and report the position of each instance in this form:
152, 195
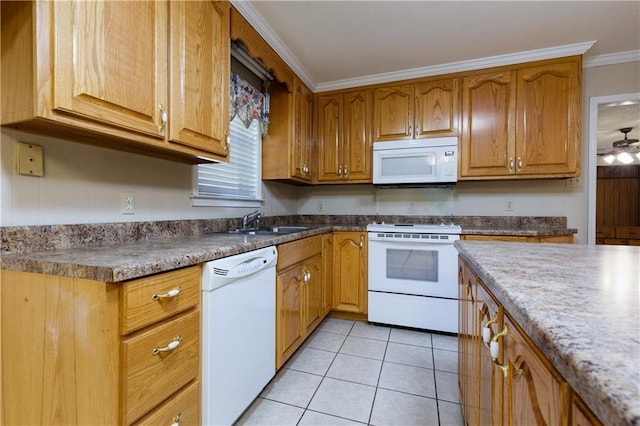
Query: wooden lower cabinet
350, 272
534, 392
299, 294
94, 352
513, 384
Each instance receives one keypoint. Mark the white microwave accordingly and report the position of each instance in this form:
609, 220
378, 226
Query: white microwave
420, 162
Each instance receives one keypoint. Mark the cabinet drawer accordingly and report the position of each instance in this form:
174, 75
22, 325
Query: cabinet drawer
139, 307
628, 232
149, 378
605, 232
183, 408
297, 251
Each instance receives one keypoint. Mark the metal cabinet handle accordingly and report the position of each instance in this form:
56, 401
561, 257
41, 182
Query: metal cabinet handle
340, 171
176, 420
520, 163
171, 293
410, 130
511, 164
361, 241
164, 117
171, 346
346, 171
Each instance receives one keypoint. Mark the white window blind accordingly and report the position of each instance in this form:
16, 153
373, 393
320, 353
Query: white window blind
240, 178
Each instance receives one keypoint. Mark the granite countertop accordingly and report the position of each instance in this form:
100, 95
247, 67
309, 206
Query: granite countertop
121, 262
580, 305
516, 231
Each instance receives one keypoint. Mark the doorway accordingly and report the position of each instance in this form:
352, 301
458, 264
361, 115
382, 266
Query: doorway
595, 103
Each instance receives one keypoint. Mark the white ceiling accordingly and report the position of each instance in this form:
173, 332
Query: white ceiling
337, 44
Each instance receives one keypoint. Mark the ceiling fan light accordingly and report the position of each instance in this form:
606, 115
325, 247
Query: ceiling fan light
625, 158
609, 159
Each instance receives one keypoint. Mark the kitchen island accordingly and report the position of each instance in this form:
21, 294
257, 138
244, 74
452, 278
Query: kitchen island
580, 306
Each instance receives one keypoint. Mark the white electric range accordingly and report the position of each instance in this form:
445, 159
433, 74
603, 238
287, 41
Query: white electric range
413, 275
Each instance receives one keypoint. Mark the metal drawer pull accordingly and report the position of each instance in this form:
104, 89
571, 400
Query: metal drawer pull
171, 293
176, 420
171, 346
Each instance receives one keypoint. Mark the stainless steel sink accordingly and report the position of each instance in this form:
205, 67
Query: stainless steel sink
274, 230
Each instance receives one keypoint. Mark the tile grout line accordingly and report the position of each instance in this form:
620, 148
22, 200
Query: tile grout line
325, 375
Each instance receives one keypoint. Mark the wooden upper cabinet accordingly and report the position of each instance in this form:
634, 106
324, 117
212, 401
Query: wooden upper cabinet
488, 131
343, 137
393, 113
437, 111
415, 111
287, 148
102, 75
303, 128
522, 122
116, 74
200, 74
356, 151
329, 120
548, 121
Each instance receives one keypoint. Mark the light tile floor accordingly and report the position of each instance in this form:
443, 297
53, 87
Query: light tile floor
350, 373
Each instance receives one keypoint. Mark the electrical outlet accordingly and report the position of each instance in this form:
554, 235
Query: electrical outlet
575, 182
320, 206
508, 205
127, 203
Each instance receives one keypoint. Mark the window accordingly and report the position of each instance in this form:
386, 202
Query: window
237, 183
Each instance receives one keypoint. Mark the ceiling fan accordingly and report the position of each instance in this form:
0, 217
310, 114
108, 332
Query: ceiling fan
630, 146
622, 151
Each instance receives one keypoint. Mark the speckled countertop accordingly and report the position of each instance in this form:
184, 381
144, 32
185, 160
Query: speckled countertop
580, 305
121, 262
117, 252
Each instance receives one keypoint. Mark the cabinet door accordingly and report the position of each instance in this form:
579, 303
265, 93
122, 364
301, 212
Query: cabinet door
465, 309
356, 152
327, 272
548, 124
487, 143
437, 108
489, 379
302, 122
199, 77
350, 272
329, 116
313, 298
393, 113
111, 63
534, 392
289, 329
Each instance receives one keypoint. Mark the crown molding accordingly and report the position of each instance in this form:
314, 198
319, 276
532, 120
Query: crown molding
247, 10
611, 59
473, 64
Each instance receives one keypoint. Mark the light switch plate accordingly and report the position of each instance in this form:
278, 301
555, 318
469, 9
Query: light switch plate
30, 159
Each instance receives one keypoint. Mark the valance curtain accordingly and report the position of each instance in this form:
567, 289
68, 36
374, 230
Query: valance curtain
248, 103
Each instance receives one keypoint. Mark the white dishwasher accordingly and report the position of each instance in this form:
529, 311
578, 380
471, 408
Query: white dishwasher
238, 332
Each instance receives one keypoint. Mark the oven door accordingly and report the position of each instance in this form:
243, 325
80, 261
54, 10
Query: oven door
415, 266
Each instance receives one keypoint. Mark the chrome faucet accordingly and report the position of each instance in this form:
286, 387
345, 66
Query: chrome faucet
250, 218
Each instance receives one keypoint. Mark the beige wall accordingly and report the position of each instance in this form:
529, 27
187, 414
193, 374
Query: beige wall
82, 184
